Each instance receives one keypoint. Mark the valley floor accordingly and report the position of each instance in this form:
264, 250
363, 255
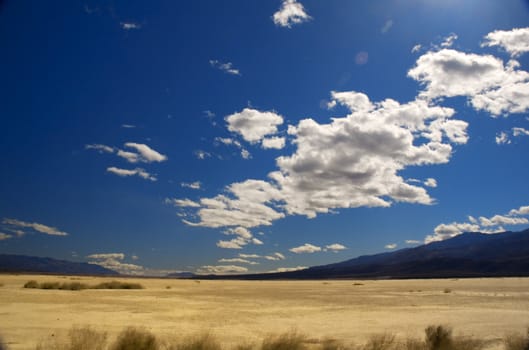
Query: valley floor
247, 311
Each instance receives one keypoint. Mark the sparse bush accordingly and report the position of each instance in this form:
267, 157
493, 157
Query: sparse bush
86, 338
286, 341
201, 342
468, 343
414, 344
384, 341
447, 290
135, 339
31, 284
516, 341
117, 285
49, 285
332, 344
438, 338
244, 347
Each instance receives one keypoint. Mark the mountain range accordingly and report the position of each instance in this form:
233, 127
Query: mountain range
32, 264
471, 254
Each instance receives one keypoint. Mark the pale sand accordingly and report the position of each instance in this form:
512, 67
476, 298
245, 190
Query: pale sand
241, 312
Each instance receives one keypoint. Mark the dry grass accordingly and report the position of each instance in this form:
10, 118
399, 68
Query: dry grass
287, 341
516, 341
135, 339
80, 286
384, 341
79, 338
204, 341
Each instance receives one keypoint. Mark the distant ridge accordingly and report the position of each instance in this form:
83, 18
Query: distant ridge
31, 264
471, 254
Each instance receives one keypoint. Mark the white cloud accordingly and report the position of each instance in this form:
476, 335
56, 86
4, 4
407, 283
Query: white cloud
273, 142
236, 243
274, 257
416, 48
484, 79
114, 262
182, 202
502, 220
35, 226
305, 248
200, 154
145, 153
520, 132
257, 241
127, 172
449, 41
100, 148
238, 260
250, 206
391, 246
197, 185
335, 247
412, 241
430, 182
4, 236
244, 237
490, 225
502, 138
523, 210
131, 157
225, 67
288, 269
228, 141
129, 25
245, 154
291, 12
362, 58
514, 41
249, 256
128, 126
104, 256
221, 269
387, 26
254, 125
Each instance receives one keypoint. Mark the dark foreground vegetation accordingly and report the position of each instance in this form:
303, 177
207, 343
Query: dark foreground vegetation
81, 286
436, 338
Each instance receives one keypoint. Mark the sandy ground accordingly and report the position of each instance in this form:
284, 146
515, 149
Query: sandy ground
247, 311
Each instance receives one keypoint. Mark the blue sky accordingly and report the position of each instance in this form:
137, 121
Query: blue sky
253, 136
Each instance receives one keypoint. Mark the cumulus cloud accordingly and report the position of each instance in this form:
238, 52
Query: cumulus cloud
391, 246
132, 172
489, 225
144, 154
514, 41
305, 248
225, 67
520, 132
228, 141
34, 226
246, 204
291, 12
182, 202
273, 142
221, 269
244, 237
335, 247
487, 82
502, 220
430, 182
502, 138
523, 210
100, 148
197, 185
245, 154
113, 261
253, 125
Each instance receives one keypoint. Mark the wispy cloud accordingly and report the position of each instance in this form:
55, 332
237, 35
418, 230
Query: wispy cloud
182, 202
132, 172
391, 246
288, 269
221, 269
130, 25
100, 148
4, 236
196, 185
387, 26
291, 12
226, 67
35, 226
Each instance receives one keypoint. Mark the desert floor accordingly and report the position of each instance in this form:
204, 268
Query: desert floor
247, 311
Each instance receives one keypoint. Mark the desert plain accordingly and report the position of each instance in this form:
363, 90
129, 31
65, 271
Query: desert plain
247, 311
